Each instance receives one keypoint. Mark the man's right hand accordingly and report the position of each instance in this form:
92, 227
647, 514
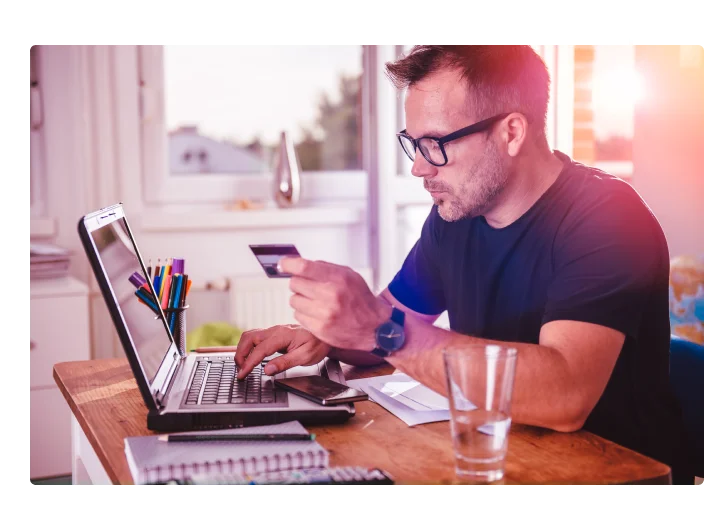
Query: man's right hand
298, 345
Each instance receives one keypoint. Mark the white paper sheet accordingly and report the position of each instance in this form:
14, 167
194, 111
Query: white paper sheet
414, 395
405, 398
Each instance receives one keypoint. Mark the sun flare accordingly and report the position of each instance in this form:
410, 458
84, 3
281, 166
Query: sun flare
613, 90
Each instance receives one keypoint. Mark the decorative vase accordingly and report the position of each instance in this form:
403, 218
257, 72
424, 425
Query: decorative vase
287, 174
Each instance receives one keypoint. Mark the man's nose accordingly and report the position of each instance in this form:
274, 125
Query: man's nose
422, 168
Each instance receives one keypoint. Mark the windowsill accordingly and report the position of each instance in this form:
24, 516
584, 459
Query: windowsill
325, 216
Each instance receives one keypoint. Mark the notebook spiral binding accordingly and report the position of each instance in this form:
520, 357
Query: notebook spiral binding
241, 466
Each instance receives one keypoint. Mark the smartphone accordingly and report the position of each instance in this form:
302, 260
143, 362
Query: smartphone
269, 255
321, 390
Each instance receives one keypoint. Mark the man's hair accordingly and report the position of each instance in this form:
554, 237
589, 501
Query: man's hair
500, 78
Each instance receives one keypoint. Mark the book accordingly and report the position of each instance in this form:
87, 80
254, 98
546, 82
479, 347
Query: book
47, 261
153, 460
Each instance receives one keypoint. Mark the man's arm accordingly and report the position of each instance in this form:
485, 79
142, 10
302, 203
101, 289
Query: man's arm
558, 382
362, 358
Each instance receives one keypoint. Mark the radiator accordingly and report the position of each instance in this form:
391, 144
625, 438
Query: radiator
259, 302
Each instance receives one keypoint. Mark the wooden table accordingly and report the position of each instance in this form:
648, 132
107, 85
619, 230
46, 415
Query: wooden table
107, 407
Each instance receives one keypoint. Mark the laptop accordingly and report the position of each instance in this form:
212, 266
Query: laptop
187, 391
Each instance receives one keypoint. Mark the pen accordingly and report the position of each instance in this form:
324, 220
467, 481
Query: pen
215, 349
282, 437
145, 288
136, 279
145, 299
182, 300
162, 278
178, 266
141, 300
157, 287
167, 289
176, 295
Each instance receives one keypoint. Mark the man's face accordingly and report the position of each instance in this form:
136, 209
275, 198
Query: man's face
475, 173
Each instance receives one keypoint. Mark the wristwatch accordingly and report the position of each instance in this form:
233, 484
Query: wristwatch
390, 335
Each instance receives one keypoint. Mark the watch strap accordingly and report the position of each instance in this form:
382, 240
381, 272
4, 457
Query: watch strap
380, 352
397, 316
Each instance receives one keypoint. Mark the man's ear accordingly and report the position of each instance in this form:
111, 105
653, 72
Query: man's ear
515, 132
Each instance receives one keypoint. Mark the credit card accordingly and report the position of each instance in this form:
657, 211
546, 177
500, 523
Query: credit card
269, 255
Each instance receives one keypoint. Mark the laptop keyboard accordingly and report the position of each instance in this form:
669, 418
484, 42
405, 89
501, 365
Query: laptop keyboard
214, 382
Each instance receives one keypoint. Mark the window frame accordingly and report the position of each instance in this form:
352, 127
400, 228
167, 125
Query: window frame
40, 224
162, 188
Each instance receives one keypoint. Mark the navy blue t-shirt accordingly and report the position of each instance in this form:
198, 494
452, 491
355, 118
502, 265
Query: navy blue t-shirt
588, 250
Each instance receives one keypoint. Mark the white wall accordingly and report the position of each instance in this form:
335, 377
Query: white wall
669, 140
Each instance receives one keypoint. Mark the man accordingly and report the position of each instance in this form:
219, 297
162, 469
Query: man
522, 246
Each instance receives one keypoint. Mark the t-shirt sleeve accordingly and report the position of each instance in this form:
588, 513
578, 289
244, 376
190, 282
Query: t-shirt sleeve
607, 264
418, 285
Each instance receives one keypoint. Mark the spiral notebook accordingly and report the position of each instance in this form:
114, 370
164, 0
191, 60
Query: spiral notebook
151, 460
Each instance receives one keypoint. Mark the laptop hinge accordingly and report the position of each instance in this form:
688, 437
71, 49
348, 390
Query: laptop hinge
160, 394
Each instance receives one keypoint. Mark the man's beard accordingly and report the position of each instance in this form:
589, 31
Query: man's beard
478, 189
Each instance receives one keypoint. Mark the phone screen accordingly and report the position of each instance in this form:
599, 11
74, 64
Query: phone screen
269, 255
321, 390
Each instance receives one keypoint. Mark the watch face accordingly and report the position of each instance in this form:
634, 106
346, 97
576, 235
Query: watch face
390, 336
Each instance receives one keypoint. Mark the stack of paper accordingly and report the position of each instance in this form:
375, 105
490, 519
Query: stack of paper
47, 261
405, 398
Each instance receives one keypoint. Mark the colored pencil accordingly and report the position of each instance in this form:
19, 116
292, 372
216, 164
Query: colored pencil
157, 286
167, 291
184, 287
147, 292
149, 270
162, 276
146, 300
174, 291
140, 299
177, 294
172, 300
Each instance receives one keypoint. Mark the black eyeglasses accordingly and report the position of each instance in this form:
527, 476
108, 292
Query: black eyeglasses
433, 149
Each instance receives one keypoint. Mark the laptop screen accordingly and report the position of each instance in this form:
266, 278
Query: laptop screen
119, 258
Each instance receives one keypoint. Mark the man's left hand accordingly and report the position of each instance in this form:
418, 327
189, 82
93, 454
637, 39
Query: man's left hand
334, 303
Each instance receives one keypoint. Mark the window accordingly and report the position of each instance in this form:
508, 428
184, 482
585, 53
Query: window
212, 118
617, 89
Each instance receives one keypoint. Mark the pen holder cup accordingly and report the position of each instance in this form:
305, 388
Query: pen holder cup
176, 319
